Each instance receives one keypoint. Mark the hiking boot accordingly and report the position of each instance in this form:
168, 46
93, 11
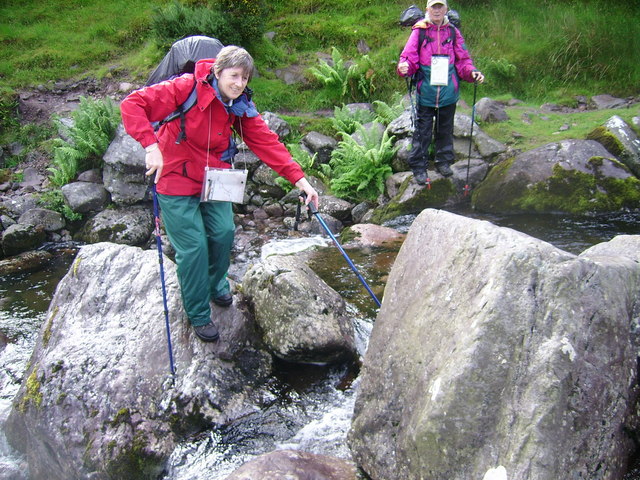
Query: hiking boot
444, 169
420, 177
223, 300
207, 333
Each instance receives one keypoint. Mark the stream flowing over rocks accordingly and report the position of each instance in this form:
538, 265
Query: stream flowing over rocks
98, 396
498, 351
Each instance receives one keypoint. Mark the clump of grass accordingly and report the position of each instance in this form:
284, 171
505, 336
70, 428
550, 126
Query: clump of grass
50, 41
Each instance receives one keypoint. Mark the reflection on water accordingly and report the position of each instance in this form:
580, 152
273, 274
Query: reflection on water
572, 234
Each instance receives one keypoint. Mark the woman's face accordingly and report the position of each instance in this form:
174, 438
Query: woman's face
437, 13
232, 82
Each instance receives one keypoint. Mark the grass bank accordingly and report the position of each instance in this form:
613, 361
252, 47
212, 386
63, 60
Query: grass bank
545, 51
542, 52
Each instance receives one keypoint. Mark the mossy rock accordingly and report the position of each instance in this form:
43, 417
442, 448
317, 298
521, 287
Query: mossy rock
566, 191
407, 204
572, 177
608, 140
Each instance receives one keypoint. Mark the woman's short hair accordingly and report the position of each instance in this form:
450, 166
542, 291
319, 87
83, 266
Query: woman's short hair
232, 56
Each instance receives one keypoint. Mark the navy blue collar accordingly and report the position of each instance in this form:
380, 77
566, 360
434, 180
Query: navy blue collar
240, 106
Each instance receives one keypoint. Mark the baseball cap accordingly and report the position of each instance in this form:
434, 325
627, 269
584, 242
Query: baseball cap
431, 3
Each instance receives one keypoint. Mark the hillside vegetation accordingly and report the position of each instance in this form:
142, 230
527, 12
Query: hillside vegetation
533, 50
537, 52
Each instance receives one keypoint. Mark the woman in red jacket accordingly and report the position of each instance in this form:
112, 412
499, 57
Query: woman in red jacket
202, 232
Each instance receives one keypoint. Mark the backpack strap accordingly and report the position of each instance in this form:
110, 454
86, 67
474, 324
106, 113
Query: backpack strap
181, 111
452, 36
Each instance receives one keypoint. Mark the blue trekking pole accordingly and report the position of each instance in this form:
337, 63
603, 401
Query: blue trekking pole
314, 210
156, 214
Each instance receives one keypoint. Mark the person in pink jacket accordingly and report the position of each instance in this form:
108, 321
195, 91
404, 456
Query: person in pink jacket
202, 232
436, 53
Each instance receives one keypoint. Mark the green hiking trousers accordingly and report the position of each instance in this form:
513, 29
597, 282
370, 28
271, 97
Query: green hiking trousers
202, 235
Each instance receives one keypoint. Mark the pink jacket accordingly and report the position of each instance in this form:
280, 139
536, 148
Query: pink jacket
438, 41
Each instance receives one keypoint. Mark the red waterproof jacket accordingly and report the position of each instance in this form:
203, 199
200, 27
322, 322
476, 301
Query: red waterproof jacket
208, 123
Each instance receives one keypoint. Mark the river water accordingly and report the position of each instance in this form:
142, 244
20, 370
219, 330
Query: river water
312, 405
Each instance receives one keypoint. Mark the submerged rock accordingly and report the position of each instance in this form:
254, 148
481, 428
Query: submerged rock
295, 465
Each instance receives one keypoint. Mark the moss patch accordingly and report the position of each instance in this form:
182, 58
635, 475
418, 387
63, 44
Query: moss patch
123, 416
32, 394
46, 336
494, 194
440, 191
576, 192
349, 234
607, 140
566, 191
135, 462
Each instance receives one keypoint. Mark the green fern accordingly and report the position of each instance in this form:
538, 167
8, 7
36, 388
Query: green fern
333, 77
386, 113
347, 120
360, 78
360, 169
308, 164
95, 123
54, 200
351, 83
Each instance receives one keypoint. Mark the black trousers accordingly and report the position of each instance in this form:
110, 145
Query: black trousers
432, 122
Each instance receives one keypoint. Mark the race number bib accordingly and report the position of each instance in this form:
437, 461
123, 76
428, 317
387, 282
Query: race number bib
439, 70
223, 185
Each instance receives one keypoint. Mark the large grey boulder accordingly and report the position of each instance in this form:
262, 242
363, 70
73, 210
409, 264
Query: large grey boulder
336, 207
407, 197
497, 355
276, 124
402, 127
620, 140
606, 101
124, 173
491, 111
16, 205
98, 400
571, 176
301, 317
320, 144
49, 220
483, 145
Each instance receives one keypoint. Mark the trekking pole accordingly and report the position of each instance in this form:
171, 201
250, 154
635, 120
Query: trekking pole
156, 214
467, 188
413, 108
314, 211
